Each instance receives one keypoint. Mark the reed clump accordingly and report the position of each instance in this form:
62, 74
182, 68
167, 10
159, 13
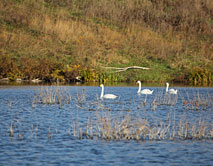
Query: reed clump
53, 95
162, 98
128, 127
81, 97
197, 101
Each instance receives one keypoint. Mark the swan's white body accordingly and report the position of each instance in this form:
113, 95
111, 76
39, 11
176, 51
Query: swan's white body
170, 91
144, 91
106, 96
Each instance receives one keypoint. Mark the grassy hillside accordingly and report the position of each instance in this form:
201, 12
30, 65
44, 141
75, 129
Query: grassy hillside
62, 39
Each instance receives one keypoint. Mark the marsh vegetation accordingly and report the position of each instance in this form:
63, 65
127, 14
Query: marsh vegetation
64, 39
126, 119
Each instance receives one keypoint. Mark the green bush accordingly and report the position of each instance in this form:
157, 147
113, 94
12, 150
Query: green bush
200, 76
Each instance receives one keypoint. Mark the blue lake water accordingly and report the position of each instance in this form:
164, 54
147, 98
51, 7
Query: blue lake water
44, 134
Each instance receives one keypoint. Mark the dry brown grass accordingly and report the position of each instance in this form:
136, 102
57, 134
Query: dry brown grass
128, 127
96, 33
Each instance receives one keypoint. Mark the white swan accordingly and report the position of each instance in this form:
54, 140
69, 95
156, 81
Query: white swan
144, 91
106, 96
170, 91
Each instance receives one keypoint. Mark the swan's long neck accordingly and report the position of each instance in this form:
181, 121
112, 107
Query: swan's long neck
167, 87
139, 88
102, 91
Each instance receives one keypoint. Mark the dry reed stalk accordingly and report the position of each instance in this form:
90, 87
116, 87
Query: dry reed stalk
198, 101
52, 95
129, 128
11, 129
81, 97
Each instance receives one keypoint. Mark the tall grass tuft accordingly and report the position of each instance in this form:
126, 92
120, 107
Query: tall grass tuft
53, 95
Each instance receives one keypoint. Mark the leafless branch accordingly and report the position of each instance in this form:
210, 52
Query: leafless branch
119, 69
